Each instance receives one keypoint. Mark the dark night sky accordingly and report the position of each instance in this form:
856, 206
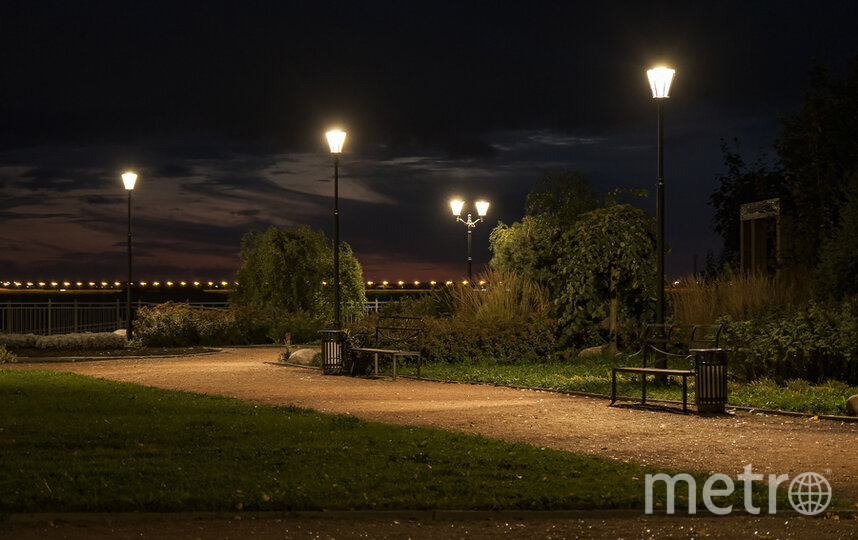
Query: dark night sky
221, 108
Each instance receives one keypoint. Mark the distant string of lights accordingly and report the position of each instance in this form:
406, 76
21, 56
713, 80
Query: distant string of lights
118, 285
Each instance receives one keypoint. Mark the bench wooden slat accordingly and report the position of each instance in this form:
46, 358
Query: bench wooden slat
387, 351
656, 371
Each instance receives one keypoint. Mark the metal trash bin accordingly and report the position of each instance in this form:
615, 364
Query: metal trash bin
332, 351
710, 388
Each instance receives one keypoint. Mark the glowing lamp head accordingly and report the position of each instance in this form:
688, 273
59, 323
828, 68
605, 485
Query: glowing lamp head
336, 138
129, 178
456, 206
659, 80
482, 208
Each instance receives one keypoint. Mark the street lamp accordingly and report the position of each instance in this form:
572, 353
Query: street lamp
129, 179
336, 138
456, 206
659, 80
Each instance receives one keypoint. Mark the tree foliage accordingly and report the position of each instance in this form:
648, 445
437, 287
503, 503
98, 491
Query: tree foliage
529, 247
569, 245
818, 147
838, 263
818, 152
293, 271
739, 185
563, 197
619, 238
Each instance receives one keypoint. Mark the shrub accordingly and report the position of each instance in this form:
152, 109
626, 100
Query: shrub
816, 342
178, 325
19, 341
7, 357
302, 327
506, 321
87, 340
504, 341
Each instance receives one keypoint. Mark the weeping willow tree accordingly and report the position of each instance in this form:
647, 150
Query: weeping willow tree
293, 271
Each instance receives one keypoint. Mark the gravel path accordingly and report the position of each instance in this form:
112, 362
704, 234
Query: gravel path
726, 444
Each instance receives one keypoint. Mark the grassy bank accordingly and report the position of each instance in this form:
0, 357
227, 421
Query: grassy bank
72, 443
593, 374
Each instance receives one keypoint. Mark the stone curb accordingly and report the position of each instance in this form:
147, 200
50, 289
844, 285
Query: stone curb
404, 515
58, 359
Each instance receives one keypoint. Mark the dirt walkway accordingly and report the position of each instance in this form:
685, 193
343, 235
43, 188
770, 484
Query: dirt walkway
726, 444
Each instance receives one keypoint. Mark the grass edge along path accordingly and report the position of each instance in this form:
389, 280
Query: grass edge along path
593, 375
72, 443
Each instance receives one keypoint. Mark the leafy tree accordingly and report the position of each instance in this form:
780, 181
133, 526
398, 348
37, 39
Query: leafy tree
818, 150
526, 248
739, 185
818, 147
292, 271
618, 240
838, 263
563, 197
529, 247
577, 251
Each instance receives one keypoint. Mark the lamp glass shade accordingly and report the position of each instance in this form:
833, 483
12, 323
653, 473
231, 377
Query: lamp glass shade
659, 80
129, 178
336, 138
482, 208
456, 205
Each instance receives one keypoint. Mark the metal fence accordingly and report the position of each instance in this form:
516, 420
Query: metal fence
49, 318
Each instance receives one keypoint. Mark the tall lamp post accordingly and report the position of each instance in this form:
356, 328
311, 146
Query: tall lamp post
659, 80
336, 138
129, 179
482, 209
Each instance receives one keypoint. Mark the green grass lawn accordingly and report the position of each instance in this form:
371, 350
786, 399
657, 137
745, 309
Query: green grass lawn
73, 443
593, 374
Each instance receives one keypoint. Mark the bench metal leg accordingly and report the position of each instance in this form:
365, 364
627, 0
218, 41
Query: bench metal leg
375, 359
419, 361
685, 393
643, 388
394, 367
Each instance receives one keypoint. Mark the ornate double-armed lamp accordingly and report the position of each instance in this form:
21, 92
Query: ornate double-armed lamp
482, 206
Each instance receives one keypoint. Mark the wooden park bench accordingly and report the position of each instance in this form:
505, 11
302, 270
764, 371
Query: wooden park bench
669, 342
396, 337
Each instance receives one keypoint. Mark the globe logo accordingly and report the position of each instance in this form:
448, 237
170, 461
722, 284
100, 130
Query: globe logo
809, 493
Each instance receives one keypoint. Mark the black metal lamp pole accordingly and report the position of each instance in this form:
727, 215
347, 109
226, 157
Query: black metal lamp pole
660, 79
470, 260
659, 309
128, 332
336, 138
336, 242
128, 179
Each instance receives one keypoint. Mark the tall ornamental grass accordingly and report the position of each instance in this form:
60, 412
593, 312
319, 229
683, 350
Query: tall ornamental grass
503, 296
505, 321
698, 301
